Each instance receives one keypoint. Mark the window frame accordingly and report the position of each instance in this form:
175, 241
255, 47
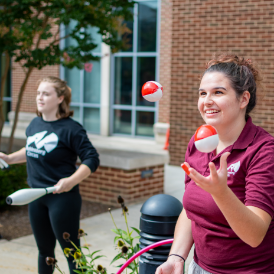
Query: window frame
107, 74
81, 104
135, 54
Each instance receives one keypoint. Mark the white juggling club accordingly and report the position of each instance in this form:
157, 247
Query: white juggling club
3, 164
27, 195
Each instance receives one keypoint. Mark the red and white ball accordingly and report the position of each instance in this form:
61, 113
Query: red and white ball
206, 138
152, 91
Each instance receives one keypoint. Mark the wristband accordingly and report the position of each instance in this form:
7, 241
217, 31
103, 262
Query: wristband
177, 256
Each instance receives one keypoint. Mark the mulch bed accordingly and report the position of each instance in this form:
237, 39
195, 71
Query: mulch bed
14, 222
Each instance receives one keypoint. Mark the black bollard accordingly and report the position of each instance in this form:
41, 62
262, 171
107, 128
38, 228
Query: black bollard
157, 223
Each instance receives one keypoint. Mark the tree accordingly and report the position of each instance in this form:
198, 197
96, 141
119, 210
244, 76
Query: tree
24, 24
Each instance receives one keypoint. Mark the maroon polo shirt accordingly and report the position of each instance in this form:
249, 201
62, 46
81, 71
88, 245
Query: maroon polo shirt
251, 177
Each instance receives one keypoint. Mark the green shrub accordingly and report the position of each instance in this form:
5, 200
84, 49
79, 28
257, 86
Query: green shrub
11, 180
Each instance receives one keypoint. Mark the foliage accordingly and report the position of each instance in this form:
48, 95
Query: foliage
85, 263
25, 23
12, 179
31, 31
125, 240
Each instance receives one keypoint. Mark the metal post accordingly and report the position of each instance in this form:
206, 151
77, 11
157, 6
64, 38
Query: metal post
159, 215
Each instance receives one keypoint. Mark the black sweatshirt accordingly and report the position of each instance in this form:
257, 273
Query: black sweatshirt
52, 149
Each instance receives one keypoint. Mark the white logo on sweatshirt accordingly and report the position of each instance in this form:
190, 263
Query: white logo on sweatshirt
232, 169
49, 143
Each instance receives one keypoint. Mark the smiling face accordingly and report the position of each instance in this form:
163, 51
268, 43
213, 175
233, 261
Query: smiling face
47, 100
218, 102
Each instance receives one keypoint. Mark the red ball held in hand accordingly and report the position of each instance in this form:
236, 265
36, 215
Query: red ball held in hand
152, 91
206, 138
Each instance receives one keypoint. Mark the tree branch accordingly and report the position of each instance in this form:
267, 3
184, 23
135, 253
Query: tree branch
20, 97
44, 24
56, 33
58, 40
22, 66
22, 89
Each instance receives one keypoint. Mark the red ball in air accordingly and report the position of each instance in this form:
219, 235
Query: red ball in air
206, 138
152, 91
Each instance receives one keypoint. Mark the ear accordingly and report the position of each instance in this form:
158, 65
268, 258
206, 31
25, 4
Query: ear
60, 99
244, 99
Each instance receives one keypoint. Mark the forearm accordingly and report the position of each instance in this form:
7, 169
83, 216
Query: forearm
79, 175
183, 239
245, 222
17, 157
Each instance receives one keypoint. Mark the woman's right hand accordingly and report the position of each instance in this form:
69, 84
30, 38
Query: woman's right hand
5, 157
174, 265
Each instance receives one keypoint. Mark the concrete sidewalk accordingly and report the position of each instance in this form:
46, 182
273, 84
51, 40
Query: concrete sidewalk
20, 255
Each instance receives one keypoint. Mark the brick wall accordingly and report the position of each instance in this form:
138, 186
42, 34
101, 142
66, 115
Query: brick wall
107, 183
165, 59
201, 28
28, 103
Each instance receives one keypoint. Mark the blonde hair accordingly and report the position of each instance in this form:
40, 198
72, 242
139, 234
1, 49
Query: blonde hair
62, 89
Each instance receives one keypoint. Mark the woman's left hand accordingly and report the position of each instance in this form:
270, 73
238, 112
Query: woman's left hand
64, 185
216, 182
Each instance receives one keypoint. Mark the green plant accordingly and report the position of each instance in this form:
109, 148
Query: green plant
85, 263
125, 241
12, 179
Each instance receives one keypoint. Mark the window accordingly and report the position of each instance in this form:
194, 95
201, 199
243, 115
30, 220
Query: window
130, 69
115, 105
85, 86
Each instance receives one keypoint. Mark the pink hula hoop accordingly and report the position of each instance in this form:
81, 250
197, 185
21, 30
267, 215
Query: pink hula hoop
169, 241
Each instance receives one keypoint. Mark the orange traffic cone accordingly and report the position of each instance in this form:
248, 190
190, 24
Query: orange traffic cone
167, 139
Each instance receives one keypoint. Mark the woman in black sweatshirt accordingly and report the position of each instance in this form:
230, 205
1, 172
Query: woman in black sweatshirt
54, 141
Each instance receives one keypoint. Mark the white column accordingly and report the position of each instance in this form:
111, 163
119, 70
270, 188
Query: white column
105, 89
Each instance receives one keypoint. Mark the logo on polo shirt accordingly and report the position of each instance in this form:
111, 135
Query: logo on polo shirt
43, 144
232, 169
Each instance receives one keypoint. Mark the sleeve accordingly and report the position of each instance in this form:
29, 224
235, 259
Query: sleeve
260, 179
84, 149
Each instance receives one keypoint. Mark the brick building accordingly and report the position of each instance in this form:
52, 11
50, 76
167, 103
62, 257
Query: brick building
200, 28
170, 43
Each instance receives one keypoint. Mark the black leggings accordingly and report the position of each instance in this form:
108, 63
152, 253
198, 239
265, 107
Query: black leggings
51, 216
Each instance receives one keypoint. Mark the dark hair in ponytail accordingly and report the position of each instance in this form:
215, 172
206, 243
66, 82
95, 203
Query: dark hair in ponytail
242, 73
